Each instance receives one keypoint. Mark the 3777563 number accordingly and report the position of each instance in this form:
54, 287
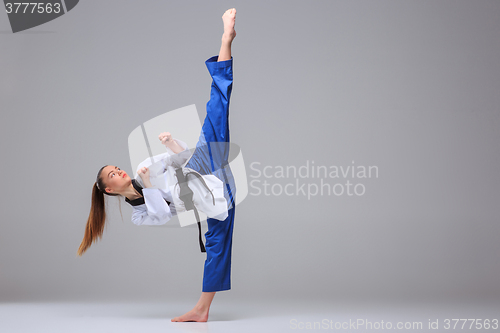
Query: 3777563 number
480, 323
13, 7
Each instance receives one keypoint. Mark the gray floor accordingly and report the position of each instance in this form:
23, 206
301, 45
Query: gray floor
236, 317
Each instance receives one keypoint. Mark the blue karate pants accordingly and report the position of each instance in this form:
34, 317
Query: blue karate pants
211, 158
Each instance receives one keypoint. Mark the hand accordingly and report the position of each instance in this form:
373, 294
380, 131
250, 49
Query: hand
165, 138
144, 174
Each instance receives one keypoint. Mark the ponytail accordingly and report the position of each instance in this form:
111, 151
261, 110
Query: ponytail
97, 216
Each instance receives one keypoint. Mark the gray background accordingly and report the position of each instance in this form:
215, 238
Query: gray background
408, 86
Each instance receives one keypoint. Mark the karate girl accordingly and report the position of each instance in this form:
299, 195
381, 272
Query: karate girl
209, 158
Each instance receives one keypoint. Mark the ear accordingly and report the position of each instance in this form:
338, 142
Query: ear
108, 190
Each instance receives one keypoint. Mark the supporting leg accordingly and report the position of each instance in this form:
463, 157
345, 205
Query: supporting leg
219, 242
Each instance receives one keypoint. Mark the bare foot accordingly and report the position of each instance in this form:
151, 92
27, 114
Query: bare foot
193, 315
229, 18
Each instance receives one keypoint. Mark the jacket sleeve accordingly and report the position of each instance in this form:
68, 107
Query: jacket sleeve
155, 210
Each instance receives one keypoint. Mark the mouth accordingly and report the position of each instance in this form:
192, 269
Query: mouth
124, 175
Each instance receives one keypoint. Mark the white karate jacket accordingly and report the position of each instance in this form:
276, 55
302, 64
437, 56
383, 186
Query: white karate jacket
152, 209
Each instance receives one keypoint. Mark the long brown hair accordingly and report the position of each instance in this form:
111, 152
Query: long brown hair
97, 216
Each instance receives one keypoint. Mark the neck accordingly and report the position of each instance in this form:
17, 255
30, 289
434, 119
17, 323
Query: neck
131, 193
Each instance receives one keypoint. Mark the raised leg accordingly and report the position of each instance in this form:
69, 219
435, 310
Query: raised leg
228, 18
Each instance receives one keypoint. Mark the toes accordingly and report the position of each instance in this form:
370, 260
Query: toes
230, 11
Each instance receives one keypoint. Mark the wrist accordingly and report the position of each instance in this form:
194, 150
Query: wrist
170, 143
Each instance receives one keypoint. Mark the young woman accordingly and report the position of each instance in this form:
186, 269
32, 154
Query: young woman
151, 205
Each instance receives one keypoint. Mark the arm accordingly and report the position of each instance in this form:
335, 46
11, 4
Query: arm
174, 146
180, 150
155, 210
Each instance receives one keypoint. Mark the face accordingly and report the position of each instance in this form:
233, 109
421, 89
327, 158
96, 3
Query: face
116, 180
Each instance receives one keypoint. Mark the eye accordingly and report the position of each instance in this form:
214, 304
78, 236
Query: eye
114, 173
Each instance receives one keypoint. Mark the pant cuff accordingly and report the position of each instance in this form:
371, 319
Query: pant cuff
209, 289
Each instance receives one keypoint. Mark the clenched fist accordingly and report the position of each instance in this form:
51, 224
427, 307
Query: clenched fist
144, 174
165, 138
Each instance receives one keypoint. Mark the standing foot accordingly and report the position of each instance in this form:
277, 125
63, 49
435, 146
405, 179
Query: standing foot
229, 18
197, 314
